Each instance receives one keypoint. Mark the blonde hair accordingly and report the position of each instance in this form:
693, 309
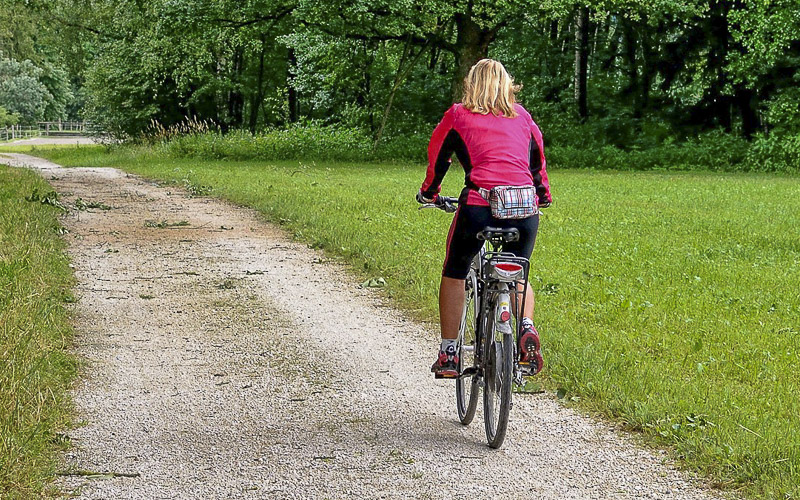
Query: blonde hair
488, 88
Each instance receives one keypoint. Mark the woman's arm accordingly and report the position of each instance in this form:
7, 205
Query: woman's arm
440, 149
538, 166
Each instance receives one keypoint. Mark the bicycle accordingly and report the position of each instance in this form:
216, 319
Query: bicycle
488, 336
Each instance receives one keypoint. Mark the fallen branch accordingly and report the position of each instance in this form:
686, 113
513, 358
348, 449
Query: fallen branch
90, 474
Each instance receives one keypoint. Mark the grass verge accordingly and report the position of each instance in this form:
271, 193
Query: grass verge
667, 301
10, 147
35, 282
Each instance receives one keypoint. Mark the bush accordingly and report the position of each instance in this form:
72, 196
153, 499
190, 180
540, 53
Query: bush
295, 143
712, 151
715, 150
7, 119
775, 153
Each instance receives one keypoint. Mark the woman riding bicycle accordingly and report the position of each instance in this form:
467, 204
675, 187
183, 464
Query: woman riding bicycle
498, 144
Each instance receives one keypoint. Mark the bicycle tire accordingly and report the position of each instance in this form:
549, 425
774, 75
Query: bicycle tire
467, 388
497, 390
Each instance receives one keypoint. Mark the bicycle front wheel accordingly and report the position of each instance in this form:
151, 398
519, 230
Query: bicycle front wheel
497, 392
467, 386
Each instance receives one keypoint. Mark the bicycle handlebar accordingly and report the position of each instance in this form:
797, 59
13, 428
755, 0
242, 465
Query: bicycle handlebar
446, 203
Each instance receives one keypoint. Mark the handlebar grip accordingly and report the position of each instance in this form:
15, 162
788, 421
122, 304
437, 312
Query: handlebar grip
446, 203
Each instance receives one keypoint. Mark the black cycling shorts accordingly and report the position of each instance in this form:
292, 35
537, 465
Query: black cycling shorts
463, 243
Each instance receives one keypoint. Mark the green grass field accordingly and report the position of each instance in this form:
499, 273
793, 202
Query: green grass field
35, 281
669, 302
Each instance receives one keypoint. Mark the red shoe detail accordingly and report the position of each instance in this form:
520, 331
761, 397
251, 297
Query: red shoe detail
445, 366
446, 374
530, 350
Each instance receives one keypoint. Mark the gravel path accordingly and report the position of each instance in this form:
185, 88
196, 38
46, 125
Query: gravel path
37, 141
226, 361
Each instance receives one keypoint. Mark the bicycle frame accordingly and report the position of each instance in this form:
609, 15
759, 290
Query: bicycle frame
496, 288
491, 293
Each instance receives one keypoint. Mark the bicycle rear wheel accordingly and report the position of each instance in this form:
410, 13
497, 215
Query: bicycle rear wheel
497, 391
467, 387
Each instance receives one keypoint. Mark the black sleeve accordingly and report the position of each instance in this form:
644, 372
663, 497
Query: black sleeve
535, 160
442, 162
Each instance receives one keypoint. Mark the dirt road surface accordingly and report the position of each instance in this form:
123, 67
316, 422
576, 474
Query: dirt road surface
223, 360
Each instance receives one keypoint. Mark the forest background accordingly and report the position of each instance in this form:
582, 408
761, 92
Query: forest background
707, 296
671, 84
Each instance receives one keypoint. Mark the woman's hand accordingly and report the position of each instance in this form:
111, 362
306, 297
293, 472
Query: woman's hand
422, 199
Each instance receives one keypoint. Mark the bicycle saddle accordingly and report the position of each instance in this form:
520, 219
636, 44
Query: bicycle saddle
499, 234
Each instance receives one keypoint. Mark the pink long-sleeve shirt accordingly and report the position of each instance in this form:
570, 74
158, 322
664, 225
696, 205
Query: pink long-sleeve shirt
494, 151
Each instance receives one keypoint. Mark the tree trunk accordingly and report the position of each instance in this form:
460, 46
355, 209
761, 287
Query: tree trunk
235, 97
472, 45
612, 47
719, 103
648, 66
258, 96
631, 41
434, 58
746, 101
403, 69
582, 61
294, 104
364, 97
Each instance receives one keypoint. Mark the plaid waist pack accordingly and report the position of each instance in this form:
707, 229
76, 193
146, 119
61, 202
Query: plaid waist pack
511, 202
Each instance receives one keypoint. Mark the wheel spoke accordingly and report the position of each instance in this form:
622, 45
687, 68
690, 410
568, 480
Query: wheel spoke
467, 387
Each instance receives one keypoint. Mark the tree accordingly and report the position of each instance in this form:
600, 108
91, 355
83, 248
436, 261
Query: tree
582, 60
21, 91
7, 119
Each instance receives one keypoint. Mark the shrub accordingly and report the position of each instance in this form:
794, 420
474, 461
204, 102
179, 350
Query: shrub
295, 143
715, 150
775, 153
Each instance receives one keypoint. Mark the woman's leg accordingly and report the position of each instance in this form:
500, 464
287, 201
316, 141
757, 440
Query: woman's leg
528, 305
530, 347
462, 245
524, 248
451, 306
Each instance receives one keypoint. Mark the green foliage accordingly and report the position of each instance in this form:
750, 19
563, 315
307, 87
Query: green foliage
308, 142
775, 153
7, 119
216, 61
710, 151
21, 91
783, 110
59, 91
33, 93
766, 29
18, 29
35, 332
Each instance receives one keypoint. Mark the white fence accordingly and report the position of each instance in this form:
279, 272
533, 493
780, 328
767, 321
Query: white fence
47, 129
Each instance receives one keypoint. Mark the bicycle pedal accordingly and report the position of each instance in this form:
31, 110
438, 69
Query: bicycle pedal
469, 372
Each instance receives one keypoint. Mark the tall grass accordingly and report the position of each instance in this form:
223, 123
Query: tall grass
35, 281
667, 301
581, 148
